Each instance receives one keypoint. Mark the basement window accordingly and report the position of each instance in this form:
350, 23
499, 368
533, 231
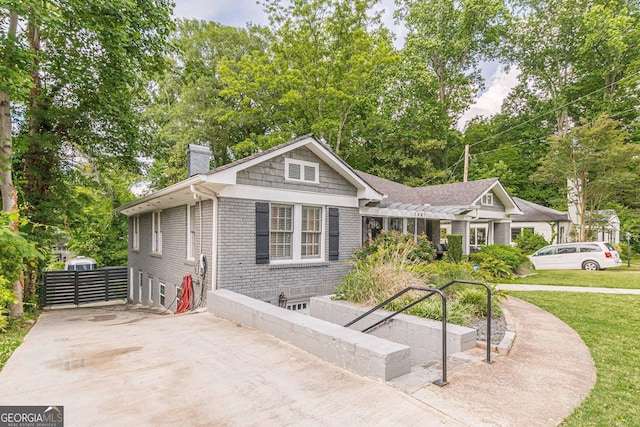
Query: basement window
297, 306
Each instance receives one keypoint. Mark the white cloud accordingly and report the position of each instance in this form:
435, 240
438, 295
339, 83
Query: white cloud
235, 13
489, 102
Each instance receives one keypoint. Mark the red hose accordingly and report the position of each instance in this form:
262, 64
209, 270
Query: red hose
187, 295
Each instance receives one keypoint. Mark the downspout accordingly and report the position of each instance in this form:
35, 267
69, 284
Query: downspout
214, 239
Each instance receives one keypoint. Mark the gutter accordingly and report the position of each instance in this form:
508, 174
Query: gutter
207, 194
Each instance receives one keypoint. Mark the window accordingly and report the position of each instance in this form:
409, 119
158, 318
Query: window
296, 232
411, 226
150, 289
487, 199
281, 232
546, 251
395, 224
162, 293
301, 171
567, 249
131, 283
156, 230
311, 232
478, 236
135, 225
297, 306
191, 232
590, 248
140, 286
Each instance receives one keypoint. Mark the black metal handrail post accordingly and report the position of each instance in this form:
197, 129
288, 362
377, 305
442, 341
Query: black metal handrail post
431, 291
468, 282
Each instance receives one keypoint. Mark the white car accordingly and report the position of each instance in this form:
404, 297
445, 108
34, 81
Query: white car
575, 256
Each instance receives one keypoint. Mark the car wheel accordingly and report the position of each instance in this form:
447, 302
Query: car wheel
590, 266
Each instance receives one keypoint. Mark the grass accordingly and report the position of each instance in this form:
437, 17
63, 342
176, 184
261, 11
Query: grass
13, 334
613, 278
608, 325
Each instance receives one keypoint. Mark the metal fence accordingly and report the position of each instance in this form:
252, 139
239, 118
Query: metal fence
80, 287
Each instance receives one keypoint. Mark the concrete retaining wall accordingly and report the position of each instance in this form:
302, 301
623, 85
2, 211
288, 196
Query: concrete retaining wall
423, 336
361, 353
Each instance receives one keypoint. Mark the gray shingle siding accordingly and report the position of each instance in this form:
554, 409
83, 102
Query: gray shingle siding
271, 174
238, 271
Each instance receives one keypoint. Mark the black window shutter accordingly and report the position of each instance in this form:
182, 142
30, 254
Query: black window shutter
262, 233
334, 234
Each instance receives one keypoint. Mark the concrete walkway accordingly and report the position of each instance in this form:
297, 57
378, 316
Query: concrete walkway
124, 366
549, 288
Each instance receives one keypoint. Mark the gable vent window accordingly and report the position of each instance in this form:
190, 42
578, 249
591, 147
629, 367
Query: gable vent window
301, 171
487, 199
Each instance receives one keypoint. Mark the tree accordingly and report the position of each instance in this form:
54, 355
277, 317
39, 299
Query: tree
599, 166
186, 104
317, 75
85, 65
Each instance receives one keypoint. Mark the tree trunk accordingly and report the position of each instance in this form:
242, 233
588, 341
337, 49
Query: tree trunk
7, 189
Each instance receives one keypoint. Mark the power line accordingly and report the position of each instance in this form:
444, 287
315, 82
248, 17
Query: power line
557, 108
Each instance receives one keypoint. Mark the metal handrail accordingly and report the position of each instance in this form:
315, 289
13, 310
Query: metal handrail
467, 282
431, 291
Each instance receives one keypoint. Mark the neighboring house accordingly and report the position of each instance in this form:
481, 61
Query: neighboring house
549, 223
600, 225
491, 208
280, 225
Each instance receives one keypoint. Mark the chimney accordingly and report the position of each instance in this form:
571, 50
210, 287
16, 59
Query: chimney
198, 158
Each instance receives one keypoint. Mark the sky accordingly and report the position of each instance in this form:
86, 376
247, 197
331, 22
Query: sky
238, 13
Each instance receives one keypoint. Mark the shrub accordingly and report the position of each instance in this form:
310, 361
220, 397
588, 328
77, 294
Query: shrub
441, 273
394, 241
491, 265
454, 247
476, 299
511, 256
528, 242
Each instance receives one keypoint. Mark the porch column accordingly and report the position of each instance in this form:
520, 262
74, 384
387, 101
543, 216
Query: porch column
502, 233
434, 231
462, 227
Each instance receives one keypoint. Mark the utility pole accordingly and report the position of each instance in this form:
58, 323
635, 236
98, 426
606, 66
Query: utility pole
466, 163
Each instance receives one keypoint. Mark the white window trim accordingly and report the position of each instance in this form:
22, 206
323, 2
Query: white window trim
296, 250
156, 235
487, 199
190, 235
136, 233
162, 294
302, 164
150, 288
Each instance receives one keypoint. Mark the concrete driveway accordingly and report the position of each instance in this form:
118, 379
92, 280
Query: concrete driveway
119, 365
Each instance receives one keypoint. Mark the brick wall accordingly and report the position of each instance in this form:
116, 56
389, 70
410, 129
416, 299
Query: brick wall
171, 265
238, 271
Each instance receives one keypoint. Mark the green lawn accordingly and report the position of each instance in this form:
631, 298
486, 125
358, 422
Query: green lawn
608, 324
613, 278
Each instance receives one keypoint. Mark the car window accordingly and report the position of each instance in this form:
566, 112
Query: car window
567, 249
590, 248
547, 251
609, 247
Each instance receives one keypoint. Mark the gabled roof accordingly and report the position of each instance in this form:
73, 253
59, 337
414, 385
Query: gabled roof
534, 212
216, 180
458, 193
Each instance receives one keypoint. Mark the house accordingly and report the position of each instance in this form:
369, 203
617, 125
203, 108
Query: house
549, 223
280, 225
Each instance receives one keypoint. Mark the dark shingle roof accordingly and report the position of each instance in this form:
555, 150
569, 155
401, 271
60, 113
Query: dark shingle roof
456, 194
395, 192
538, 213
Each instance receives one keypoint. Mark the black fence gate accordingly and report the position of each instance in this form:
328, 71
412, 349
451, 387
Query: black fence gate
79, 287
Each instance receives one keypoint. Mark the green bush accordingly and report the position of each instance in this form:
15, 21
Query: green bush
454, 247
476, 299
393, 241
528, 242
492, 266
511, 256
441, 273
